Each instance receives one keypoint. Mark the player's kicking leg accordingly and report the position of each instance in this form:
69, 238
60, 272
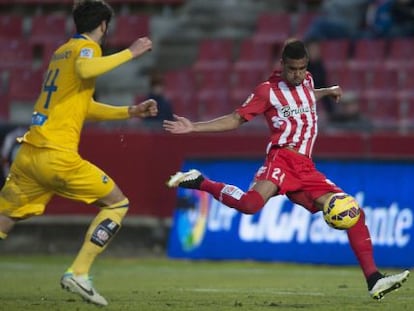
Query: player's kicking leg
82, 285
387, 284
191, 180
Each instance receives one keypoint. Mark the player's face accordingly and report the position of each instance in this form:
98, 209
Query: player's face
294, 70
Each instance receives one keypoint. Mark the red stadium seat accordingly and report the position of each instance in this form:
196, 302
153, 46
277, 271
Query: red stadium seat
213, 89
253, 55
128, 28
213, 79
46, 29
214, 54
384, 109
335, 53
400, 53
382, 80
407, 107
11, 26
25, 85
302, 24
350, 79
407, 79
15, 54
180, 88
368, 53
245, 82
406, 88
273, 27
4, 107
213, 103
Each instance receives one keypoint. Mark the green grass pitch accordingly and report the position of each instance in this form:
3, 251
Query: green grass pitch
32, 283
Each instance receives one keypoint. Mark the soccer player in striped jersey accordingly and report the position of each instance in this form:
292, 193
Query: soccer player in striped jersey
288, 102
48, 162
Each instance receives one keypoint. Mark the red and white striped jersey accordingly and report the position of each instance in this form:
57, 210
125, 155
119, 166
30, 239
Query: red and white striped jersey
290, 112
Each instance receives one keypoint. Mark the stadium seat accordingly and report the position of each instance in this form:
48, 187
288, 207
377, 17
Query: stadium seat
335, 53
350, 79
213, 89
25, 85
400, 53
382, 80
384, 109
213, 79
15, 53
406, 87
4, 107
272, 27
128, 28
244, 83
407, 79
302, 23
368, 53
214, 54
179, 87
407, 108
11, 26
46, 29
253, 55
213, 103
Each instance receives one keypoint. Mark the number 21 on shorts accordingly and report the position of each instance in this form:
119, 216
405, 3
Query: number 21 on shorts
278, 175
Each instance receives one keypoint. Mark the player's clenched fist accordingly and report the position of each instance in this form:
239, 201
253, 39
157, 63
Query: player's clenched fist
147, 108
140, 46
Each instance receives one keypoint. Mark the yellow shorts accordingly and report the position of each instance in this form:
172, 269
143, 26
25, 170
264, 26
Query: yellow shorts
39, 173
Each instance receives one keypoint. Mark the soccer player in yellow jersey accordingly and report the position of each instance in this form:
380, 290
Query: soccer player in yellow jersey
48, 162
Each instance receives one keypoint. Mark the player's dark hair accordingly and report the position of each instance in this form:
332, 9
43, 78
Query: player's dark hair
89, 14
294, 49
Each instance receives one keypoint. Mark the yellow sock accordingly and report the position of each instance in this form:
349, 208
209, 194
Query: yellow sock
104, 226
3, 235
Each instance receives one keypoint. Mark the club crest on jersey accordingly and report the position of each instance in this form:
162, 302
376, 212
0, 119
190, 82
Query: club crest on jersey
86, 53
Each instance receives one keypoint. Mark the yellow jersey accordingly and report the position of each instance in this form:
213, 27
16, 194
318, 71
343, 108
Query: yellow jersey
66, 98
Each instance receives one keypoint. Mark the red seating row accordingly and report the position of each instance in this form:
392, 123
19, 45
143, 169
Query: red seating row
56, 28
222, 78
276, 27
48, 32
367, 53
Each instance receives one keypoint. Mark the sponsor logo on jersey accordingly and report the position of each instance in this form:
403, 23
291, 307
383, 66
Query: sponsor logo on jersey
288, 111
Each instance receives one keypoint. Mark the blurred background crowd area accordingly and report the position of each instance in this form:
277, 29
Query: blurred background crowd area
209, 55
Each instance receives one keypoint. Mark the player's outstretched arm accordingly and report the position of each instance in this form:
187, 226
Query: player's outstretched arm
103, 112
93, 67
182, 125
333, 91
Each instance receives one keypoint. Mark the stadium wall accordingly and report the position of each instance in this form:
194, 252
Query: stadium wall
141, 162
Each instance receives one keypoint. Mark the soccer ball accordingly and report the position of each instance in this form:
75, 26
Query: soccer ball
341, 211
